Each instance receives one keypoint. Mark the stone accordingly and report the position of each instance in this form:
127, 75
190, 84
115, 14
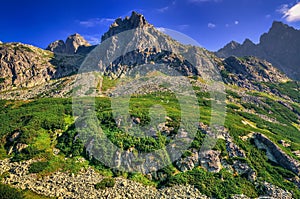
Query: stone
284, 143
188, 163
210, 160
279, 155
14, 136
275, 192
234, 151
20, 146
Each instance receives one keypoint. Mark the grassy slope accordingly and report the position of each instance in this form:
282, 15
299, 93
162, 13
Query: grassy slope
42, 121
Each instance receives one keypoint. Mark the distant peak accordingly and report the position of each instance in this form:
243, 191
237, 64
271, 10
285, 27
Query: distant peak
70, 46
232, 45
248, 42
278, 25
136, 20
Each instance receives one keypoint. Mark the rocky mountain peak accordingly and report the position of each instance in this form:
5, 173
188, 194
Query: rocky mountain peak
232, 45
136, 20
73, 42
279, 46
248, 42
277, 25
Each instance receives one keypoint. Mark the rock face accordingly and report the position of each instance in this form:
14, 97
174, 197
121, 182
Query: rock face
247, 71
58, 46
71, 45
272, 191
280, 46
211, 160
120, 25
280, 156
24, 66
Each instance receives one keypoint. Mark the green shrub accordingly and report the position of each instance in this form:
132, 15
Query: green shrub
106, 182
37, 167
7, 192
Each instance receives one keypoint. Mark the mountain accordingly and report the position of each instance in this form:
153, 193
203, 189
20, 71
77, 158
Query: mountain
71, 46
280, 46
51, 143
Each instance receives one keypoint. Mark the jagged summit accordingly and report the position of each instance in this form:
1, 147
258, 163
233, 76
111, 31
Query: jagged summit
279, 46
134, 21
73, 42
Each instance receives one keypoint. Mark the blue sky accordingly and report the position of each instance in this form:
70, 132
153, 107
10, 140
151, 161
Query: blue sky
212, 23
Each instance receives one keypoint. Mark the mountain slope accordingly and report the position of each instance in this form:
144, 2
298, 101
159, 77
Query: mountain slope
257, 150
280, 46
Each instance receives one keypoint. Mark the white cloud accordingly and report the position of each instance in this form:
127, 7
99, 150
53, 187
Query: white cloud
236, 22
164, 9
96, 22
283, 8
93, 39
290, 14
211, 25
161, 29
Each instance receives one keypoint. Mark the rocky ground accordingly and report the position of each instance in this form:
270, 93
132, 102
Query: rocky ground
81, 185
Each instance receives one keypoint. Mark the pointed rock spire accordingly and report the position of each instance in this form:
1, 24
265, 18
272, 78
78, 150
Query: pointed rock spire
136, 20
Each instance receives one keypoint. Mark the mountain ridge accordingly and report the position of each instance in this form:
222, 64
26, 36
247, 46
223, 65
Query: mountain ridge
279, 46
47, 139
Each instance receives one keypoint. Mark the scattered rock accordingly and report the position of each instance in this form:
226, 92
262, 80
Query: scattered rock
210, 160
275, 192
188, 163
284, 143
234, 151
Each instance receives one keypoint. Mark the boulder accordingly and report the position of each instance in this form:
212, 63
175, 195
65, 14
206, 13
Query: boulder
211, 160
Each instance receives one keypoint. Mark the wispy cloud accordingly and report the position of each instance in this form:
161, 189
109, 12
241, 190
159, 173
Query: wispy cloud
290, 14
211, 25
183, 26
268, 16
93, 39
96, 22
283, 8
164, 9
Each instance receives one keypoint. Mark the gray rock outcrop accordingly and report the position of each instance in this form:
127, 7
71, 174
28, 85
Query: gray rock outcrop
71, 46
280, 156
120, 25
280, 46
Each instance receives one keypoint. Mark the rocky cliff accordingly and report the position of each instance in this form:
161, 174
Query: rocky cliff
70, 46
248, 71
120, 25
280, 46
23, 66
